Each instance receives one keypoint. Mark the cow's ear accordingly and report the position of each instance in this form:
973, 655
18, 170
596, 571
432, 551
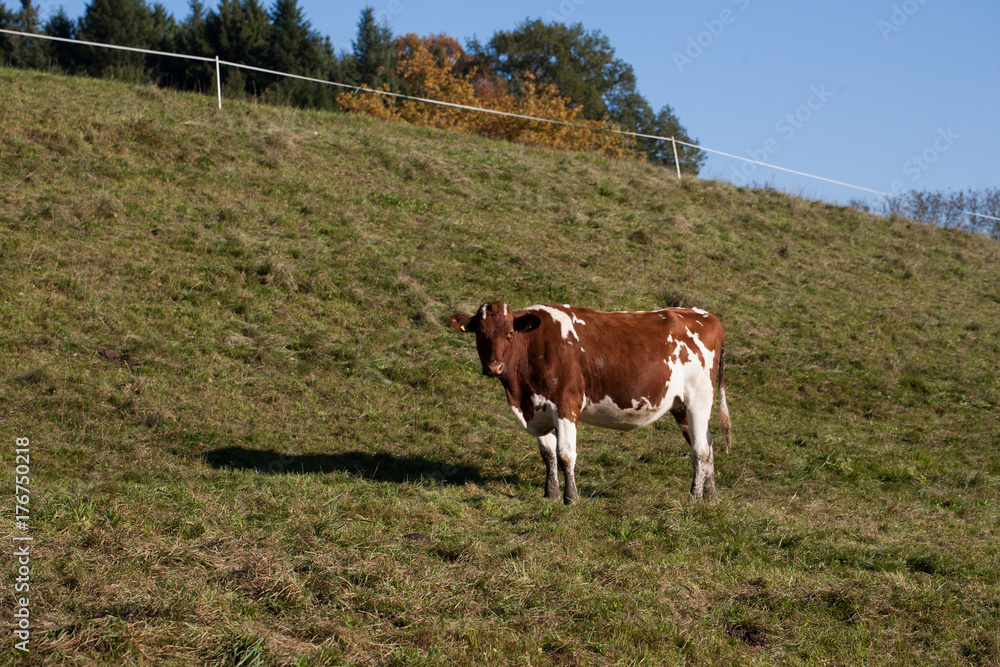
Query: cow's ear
460, 322
527, 322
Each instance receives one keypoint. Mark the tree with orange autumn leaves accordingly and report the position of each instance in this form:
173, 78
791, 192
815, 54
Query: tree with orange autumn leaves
438, 68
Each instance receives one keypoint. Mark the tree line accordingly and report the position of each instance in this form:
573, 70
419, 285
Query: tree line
544, 69
962, 209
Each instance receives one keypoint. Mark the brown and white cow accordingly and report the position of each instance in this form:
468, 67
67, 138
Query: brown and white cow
561, 365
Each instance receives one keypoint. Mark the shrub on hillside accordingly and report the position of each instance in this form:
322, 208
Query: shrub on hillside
436, 67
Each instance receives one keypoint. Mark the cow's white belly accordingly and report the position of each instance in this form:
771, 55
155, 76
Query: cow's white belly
606, 414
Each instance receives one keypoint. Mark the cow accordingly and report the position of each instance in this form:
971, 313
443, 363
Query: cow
561, 365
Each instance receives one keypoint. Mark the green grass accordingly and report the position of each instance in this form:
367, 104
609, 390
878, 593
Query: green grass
255, 442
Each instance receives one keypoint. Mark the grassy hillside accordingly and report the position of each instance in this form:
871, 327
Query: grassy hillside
254, 441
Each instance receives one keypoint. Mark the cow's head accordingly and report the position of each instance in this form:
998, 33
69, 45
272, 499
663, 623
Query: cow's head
496, 329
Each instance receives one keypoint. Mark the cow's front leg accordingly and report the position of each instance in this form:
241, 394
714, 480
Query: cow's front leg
547, 448
566, 450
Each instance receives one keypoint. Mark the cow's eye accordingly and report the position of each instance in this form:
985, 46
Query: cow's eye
510, 335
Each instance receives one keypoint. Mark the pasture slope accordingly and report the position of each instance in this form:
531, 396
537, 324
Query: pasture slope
254, 442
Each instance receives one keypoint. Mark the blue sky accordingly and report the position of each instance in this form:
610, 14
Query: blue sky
887, 94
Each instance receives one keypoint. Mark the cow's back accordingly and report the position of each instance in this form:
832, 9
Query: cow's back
631, 367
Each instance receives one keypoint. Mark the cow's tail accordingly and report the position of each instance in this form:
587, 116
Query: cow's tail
724, 422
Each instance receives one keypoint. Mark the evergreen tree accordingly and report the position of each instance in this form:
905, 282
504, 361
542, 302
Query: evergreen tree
291, 46
64, 56
8, 43
192, 39
373, 61
119, 22
162, 36
239, 31
295, 48
17, 51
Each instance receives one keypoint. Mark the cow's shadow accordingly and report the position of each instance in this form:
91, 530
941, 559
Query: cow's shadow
380, 466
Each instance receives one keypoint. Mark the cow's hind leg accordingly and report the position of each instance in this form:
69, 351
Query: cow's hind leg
702, 458
547, 448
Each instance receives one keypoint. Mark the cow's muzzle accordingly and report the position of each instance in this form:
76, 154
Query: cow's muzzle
495, 369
